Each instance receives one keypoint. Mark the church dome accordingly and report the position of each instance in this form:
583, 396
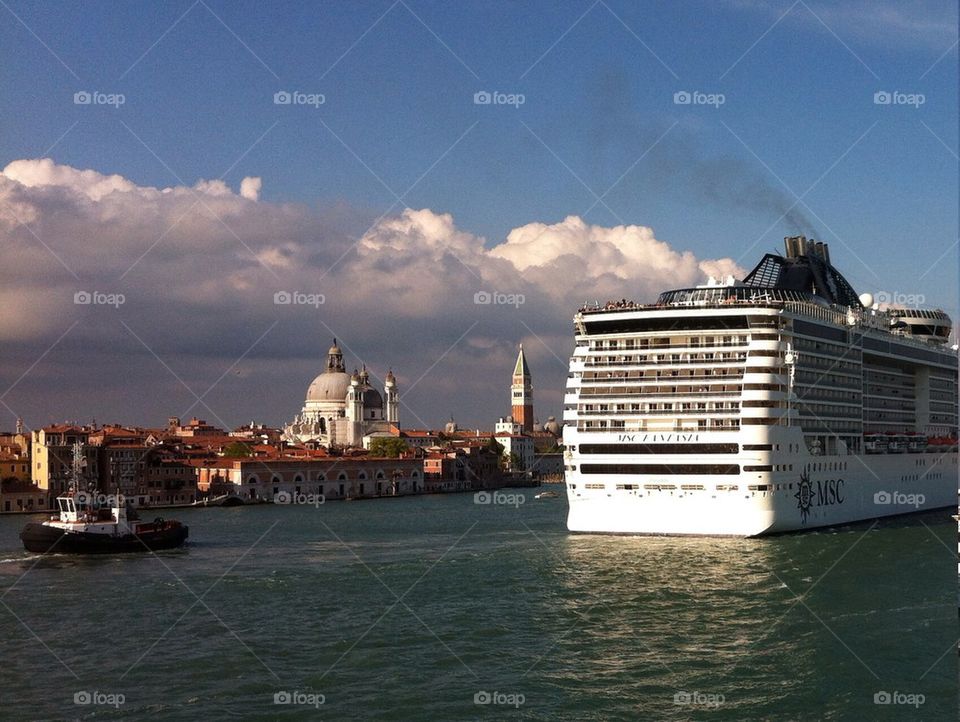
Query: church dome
329, 386
372, 399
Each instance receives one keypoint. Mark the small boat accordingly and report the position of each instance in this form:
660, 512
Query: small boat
547, 495
86, 527
91, 523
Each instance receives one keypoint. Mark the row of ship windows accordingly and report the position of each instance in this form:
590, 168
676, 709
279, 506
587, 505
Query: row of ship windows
627, 344
887, 374
829, 411
716, 424
659, 390
947, 385
804, 344
667, 469
686, 487
885, 405
827, 394
839, 364
846, 381
943, 397
677, 358
678, 374
644, 408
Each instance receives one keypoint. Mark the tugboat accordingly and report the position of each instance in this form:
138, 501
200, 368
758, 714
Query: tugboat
87, 526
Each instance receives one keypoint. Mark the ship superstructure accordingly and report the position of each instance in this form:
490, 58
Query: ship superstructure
780, 402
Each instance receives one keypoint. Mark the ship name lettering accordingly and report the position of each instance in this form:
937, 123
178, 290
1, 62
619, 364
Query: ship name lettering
829, 492
669, 437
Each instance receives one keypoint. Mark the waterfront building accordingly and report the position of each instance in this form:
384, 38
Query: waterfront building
462, 465
135, 461
548, 466
260, 433
332, 477
17, 495
194, 427
340, 409
17, 442
51, 456
14, 465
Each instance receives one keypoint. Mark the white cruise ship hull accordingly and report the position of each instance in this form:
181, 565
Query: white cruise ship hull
869, 488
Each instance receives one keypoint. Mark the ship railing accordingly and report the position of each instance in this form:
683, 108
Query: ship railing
658, 429
647, 392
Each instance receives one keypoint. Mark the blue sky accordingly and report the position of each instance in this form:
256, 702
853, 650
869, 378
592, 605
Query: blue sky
599, 119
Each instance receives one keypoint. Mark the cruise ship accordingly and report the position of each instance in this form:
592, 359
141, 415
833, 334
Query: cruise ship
778, 403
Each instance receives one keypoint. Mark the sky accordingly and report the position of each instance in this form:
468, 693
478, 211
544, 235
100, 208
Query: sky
196, 197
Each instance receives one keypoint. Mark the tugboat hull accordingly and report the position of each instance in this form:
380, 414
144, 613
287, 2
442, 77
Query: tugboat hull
42, 538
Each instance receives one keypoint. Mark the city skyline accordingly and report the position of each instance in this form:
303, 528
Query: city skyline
427, 222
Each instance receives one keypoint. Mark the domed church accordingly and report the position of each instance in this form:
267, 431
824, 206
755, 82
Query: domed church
341, 408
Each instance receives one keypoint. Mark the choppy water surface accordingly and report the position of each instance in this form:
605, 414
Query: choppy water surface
418, 608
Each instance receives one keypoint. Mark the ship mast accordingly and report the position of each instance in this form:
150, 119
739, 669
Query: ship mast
79, 462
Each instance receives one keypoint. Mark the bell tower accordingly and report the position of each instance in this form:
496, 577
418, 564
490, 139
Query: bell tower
392, 398
521, 394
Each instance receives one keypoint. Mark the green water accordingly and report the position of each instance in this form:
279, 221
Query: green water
407, 609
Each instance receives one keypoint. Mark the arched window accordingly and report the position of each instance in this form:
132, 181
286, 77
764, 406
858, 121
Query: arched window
362, 475
252, 480
380, 474
323, 425
321, 477
341, 476
275, 479
415, 475
298, 479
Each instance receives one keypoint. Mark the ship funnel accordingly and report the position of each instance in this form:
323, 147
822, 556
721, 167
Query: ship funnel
795, 246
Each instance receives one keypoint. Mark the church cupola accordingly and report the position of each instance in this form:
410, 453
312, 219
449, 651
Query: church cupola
335, 359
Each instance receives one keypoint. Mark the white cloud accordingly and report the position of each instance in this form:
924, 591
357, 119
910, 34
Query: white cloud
44, 172
199, 280
250, 188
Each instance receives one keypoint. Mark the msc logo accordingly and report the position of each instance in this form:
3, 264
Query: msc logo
828, 492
